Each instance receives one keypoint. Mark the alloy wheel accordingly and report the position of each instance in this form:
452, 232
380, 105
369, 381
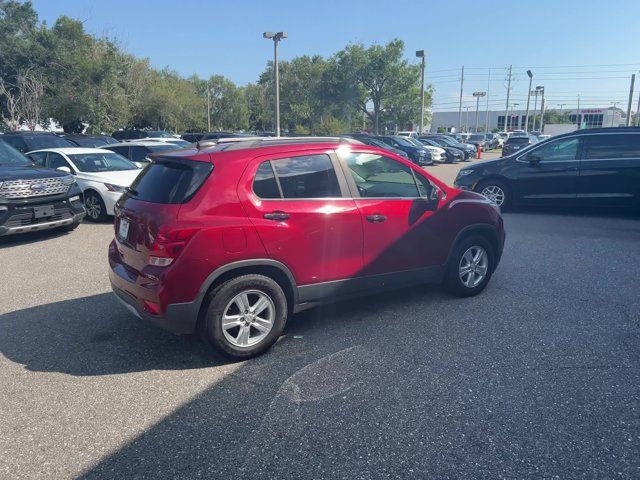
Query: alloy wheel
473, 267
494, 193
248, 318
92, 205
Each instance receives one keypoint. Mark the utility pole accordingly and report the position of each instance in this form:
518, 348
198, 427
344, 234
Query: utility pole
276, 37
478, 95
535, 108
420, 54
460, 107
208, 107
633, 81
506, 110
526, 117
638, 112
578, 116
561, 105
466, 122
486, 117
541, 88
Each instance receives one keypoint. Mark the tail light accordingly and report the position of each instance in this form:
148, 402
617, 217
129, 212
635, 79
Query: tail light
168, 245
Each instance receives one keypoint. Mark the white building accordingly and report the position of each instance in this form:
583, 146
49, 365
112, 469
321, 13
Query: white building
589, 118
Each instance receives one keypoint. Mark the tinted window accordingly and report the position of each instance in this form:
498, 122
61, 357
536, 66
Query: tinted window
265, 185
378, 176
170, 181
88, 142
56, 160
16, 142
518, 140
39, 158
138, 154
123, 150
38, 142
10, 156
161, 147
308, 176
612, 146
557, 151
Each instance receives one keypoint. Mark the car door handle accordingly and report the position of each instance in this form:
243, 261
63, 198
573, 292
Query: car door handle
376, 218
277, 215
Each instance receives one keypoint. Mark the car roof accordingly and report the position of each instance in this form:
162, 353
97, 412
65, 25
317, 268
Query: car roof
143, 143
72, 150
22, 133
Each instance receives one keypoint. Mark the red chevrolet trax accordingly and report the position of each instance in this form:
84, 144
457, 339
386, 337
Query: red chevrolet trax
232, 239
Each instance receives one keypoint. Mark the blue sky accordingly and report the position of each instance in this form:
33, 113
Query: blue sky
573, 47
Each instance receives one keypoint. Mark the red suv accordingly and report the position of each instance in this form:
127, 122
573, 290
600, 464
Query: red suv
232, 239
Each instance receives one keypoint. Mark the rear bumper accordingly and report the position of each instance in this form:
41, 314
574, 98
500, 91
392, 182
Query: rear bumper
133, 292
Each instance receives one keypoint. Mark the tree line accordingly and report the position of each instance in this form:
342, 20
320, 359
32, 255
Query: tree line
82, 81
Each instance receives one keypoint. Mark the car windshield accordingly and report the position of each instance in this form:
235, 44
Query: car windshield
414, 142
39, 142
10, 156
101, 162
445, 141
89, 142
404, 141
476, 137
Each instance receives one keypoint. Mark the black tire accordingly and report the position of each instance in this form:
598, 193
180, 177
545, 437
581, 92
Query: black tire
218, 300
506, 202
93, 204
453, 282
70, 228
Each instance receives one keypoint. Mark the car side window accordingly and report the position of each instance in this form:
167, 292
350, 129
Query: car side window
612, 147
425, 187
56, 161
16, 142
377, 176
138, 154
265, 184
39, 158
307, 176
557, 151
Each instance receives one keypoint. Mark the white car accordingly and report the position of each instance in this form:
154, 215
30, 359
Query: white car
408, 134
174, 141
102, 175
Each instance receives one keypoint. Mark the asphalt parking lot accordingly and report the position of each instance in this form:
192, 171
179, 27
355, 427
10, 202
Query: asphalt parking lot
537, 377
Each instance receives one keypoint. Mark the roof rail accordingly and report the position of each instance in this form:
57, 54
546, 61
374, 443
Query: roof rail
255, 142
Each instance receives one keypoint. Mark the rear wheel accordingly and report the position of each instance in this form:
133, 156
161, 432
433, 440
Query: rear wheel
96, 211
244, 316
470, 267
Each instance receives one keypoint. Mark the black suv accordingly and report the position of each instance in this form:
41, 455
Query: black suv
595, 167
33, 198
29, 141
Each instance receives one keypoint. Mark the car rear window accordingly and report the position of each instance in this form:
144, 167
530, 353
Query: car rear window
38, 142
518, 140
169, 180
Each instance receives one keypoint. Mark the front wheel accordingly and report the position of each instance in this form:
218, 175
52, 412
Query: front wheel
470, 267
496, 191
244, 316
96, 211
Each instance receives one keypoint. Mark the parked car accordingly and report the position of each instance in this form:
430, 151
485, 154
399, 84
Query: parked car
139, 151
492, 141
516, 143
102, 175
408, 134
418, 155
34, 198
26, 141
88, 141
448, 141
134, 134
369, 140
595, 167
299, 223
178, 142
477, 139
451, 154
542, 137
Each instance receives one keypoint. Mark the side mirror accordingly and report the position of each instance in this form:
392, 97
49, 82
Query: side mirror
64, 169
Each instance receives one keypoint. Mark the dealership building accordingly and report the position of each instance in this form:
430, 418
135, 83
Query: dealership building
587, 117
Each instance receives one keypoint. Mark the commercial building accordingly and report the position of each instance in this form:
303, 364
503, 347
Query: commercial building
586, 118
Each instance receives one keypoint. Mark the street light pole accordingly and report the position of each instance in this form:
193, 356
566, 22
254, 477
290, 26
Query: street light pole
540, 88
526, 117
466, 122
535, 108
420, 54
513, 105
478, 95
276, 37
